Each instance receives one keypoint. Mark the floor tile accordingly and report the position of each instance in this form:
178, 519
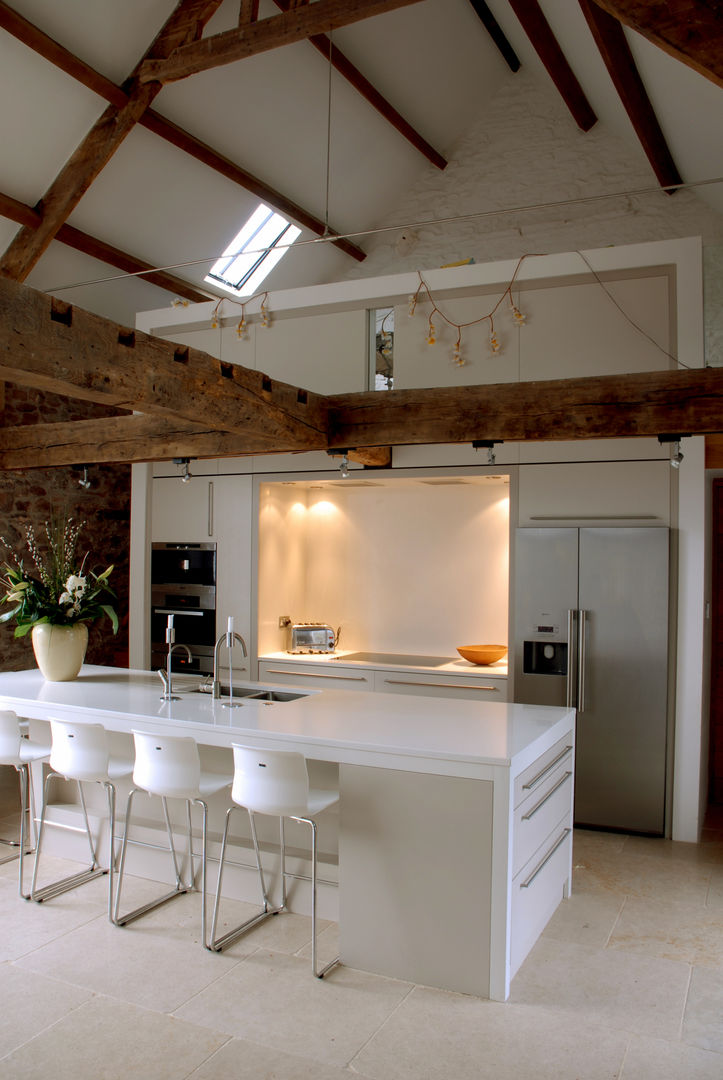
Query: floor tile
111, 1040
657, 1059
690, 934
639, 994
240, 1059
586, 918
274, 1000
155, 965
641, 876
435, 1035
31, 1003
703, 1019
28, 926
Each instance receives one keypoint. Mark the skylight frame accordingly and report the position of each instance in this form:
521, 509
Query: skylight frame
259, 245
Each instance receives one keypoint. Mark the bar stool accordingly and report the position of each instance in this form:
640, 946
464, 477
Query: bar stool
169, 766
274, 782
81, 752
20, 753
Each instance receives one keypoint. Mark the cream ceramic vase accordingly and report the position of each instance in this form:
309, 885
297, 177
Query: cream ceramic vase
60, 650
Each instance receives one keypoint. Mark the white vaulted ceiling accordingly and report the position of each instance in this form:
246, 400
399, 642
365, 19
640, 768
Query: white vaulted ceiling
303, 131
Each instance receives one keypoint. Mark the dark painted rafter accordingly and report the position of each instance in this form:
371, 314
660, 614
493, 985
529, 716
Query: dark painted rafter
495, 31
615, 51
547, 48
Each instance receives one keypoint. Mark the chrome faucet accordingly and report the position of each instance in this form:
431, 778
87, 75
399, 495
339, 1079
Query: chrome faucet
230, 637
166, 676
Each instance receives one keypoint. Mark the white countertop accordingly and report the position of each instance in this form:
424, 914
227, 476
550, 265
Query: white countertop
453, 667
417, 734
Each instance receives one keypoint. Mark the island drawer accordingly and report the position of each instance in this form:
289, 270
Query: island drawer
536, 817
536, 891
317, 675
534, 777
436, 685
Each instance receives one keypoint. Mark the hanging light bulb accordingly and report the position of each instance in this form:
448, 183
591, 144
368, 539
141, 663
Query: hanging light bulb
344, 467
186, 474
677, 456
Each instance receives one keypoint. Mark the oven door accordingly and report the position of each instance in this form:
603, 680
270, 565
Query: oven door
187, 564
193, 608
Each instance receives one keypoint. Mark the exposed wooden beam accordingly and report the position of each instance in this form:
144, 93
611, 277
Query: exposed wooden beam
134, 438
495, 31
271, 33
689, 30
56, 54
547, 48
248, 12
56, 347
615, 51
98, 249
353, 75
102, 141
204, 153
606, 406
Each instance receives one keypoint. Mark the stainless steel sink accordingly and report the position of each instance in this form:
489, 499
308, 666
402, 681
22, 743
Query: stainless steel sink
253, 693
277, 695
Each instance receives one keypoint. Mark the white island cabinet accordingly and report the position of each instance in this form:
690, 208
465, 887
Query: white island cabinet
454, 842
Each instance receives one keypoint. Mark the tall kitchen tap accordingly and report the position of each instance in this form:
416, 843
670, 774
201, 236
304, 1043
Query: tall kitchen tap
230, 638
167, 675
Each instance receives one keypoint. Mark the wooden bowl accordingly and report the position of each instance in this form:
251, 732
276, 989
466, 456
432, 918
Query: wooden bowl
482, 654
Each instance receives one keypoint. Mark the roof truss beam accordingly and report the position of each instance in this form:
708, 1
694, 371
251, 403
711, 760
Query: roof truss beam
98, 249
97, 148
615, 51
547, 48
297, 24
689, 30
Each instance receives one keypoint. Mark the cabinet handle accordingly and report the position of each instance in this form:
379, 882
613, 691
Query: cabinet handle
177, 611
317, 675
543, 800
210, 508
548, 768
528, 881
445, 685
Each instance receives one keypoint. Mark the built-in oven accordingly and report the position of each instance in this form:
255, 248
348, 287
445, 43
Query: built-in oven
183, 594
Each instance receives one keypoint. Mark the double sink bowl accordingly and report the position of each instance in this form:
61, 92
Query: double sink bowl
253, 693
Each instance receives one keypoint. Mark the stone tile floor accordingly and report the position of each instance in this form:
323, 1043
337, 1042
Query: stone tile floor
627, 981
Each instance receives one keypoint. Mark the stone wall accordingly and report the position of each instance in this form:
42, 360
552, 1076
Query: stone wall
34, 496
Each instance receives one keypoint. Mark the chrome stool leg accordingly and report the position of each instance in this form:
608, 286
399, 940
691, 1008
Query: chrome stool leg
56, 888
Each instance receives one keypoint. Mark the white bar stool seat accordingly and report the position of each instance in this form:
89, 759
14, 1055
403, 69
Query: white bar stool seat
20, 753
273, 782
81, 752
169, 766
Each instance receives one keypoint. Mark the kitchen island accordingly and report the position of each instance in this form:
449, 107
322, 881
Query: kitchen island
454, 833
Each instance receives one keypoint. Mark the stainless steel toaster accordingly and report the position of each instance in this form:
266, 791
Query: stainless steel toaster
310, 638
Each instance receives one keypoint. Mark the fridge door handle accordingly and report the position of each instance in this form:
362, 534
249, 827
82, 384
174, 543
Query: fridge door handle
582, 617
570, 681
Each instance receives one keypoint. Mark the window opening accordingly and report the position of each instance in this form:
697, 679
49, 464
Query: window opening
253, 252
382, 360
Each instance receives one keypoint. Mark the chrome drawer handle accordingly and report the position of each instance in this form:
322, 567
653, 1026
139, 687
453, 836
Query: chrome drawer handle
548, 768
445, 685
318, 675
528, 881
543, 800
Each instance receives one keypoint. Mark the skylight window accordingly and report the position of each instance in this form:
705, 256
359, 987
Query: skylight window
253, 252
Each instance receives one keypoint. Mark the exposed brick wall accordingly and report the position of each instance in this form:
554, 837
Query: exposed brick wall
32, 496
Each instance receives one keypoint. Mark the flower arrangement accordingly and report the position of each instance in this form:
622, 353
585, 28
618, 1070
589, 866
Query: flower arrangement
60, 591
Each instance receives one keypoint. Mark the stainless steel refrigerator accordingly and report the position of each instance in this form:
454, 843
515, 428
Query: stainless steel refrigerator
591, 631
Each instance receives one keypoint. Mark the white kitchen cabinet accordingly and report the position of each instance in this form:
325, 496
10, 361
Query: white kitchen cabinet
327, 677
452, 686
603, 492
